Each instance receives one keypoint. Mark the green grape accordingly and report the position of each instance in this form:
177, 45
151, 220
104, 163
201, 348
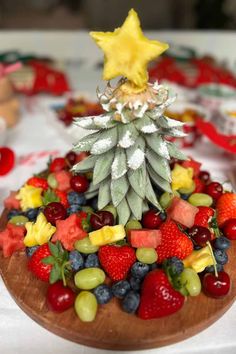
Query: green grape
19, 220
188, 190
87, 209
111, 209
85, 246
200, 199
89, 278
132, 224
166, 198
52, 182
191, 281
146, 255
86, 306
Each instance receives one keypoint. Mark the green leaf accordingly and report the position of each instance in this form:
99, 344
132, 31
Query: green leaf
54, 249
137, 179
105, 121
55, 274
86, 143
85, 165
150, 194
123, 212
119, 188
48, 260
102, 167
135, 203
159, 165
49, 196
165, 122
127, 135
107, 140
90, 195
136, 154
175, 152
92, 188
157, 144
85, 123
146, 125
175, 132
119, 164
104, 196
158, 180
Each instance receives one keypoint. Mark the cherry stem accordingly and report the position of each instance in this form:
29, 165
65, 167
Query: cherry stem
213, 258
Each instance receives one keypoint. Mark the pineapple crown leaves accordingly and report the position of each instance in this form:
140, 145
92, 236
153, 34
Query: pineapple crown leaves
129, 156
59, 260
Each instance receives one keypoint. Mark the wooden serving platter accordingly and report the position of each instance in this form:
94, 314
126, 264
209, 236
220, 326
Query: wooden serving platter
113, 328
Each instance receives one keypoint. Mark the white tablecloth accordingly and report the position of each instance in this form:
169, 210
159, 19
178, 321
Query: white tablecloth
18, 333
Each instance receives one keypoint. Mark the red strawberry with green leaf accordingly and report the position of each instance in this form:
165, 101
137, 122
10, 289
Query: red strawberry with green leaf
174, 243
116, 260
225, 208
158, 297
204, 216
38, 182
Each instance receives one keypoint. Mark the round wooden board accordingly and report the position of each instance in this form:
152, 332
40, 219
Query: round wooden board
113, 328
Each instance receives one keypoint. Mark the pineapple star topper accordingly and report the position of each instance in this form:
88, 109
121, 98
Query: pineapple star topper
127, 52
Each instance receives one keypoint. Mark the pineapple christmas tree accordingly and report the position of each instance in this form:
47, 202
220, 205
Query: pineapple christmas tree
129, 154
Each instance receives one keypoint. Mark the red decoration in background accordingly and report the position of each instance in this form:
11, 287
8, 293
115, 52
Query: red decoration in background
7, 160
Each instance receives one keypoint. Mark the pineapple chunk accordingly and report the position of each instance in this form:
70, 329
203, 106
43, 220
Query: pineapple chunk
39, 232
199, 260
107, 234
30, 197
181, 177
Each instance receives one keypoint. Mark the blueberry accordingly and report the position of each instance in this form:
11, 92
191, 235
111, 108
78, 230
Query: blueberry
197, 247
94, 203
220, 256
76, 260
103, 294
73, 208
174, 266
221, 243
76, 198
92, 261
139, 270
120, 288
211, 269
32, 213
13, 212
163, 216
135, 283
30, 250
131, 302
184, 196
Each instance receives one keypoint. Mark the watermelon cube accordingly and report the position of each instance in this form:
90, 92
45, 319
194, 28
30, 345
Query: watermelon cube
63, 179
11, 239
11, 202
182, 212
145, 238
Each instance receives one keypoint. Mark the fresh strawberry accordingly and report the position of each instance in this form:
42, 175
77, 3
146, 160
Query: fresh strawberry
38, 182
203, 216
195, 165
199, 185
225, 208
36, 266
58, 164
158, 297
63, 198
174, 243
116, 260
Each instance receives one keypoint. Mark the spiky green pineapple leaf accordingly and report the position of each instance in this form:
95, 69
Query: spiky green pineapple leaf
104, 121
127, 135
107, 140
158, 180
174, 132
92, 188
175, 152
85, 123
86, 143
135, 203
137, 180
119, 164
102, 167
123, 211
159, 165
146, 125
158, 144
104, 196
90, 195
136, 154
165, 122
119, 189
150, 194
85, 165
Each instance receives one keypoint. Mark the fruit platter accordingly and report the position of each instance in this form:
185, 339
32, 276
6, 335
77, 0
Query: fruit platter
124, 242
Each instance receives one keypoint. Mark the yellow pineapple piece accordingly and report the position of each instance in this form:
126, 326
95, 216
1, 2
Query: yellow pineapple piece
107, 234
199, 260
181, 177
39, 232
30, 197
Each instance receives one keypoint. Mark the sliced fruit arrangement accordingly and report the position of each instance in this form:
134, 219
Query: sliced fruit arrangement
150, 265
